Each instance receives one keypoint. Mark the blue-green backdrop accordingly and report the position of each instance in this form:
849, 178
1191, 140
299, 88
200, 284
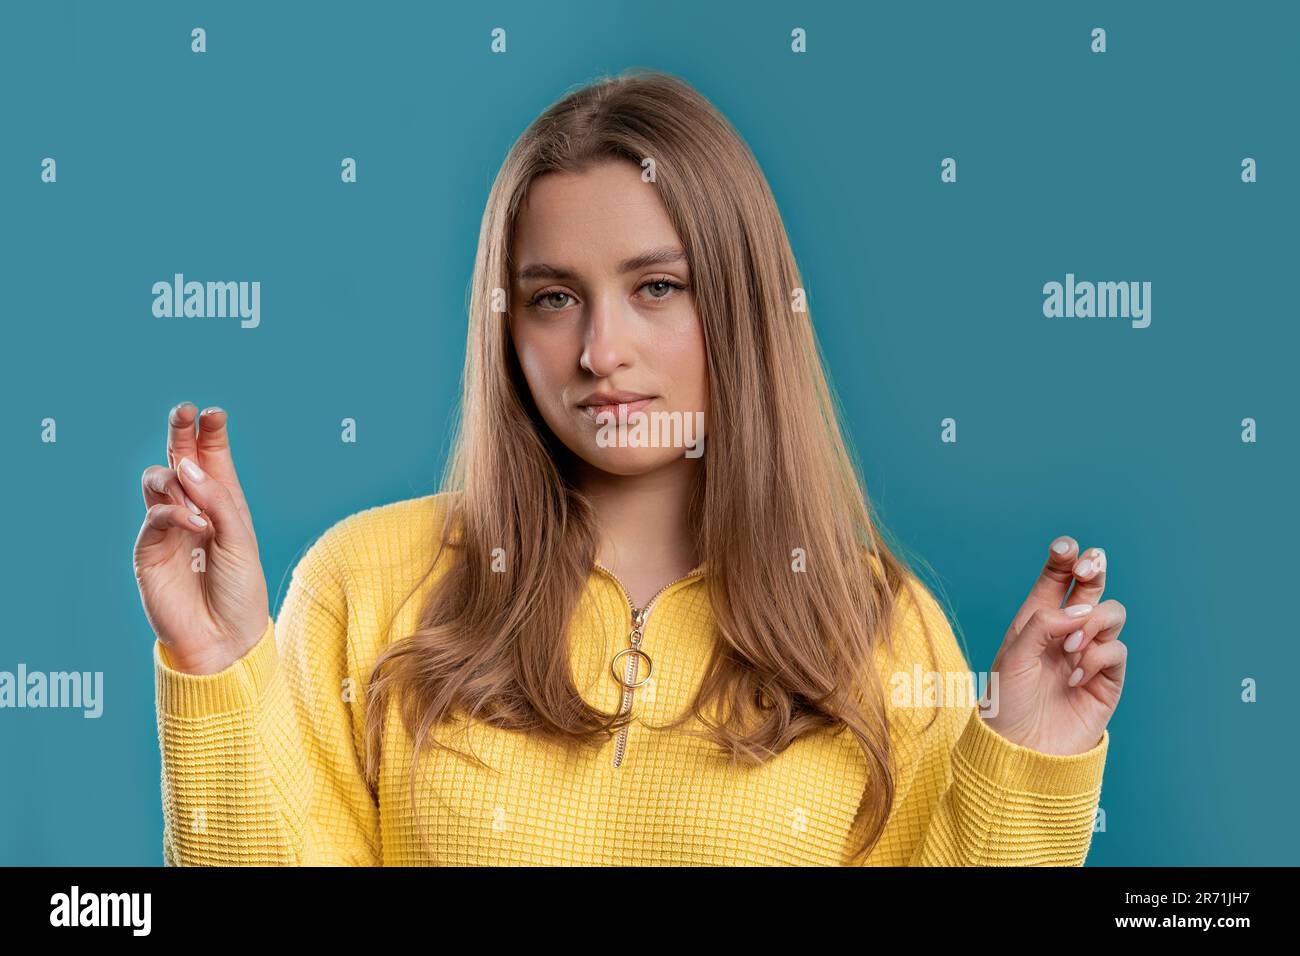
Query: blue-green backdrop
1123, 165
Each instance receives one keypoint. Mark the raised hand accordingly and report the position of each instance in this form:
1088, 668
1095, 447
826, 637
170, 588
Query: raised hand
1060, 671
208, 608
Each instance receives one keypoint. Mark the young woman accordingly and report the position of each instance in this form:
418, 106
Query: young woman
589, 649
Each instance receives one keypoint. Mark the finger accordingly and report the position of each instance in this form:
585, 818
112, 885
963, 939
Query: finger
213, 445
1090, 577
1109, 659
1103, 625
216, 501
161, 486
1053, 581
214, 455
1045, 627
162, 518
180, 433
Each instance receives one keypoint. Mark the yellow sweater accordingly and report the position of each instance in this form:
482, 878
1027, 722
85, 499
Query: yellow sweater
261, 763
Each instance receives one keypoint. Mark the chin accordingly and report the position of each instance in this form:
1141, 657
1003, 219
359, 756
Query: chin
628, 462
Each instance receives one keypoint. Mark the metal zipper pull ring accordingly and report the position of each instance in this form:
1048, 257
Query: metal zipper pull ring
650, 667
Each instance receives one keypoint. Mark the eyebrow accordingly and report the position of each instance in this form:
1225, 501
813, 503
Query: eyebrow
542, 270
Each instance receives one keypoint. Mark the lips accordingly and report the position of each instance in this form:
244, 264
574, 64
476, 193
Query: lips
615, 408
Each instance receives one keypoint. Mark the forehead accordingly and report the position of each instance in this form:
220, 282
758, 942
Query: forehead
596, 217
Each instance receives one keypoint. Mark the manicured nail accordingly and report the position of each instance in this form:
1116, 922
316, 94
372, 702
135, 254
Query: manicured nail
1061, 547
1083, 567
193, 470
197, 521
1078, 610
1100, 559
212, 409
1074, 640
1076, 676
191, 505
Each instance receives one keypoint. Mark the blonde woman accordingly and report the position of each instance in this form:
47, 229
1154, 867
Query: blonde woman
588, 649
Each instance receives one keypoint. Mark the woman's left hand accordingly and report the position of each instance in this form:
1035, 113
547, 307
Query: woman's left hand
1059, 676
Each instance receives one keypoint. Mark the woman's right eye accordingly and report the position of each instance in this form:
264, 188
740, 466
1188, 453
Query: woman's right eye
543, 296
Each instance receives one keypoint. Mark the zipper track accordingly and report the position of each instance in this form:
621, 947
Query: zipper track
639, 616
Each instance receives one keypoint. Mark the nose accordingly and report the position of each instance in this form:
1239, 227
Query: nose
607, 342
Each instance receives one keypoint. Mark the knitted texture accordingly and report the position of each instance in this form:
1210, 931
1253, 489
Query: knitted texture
262, 762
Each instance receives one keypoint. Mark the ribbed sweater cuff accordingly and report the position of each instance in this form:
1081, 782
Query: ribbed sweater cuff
237, 687
1012, 767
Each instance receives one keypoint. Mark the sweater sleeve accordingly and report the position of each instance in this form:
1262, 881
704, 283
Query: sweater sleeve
261, 762
967, 796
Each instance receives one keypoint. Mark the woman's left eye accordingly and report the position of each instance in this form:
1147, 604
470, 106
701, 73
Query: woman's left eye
666, 294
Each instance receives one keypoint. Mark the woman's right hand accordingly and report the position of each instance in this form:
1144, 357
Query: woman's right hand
208, 609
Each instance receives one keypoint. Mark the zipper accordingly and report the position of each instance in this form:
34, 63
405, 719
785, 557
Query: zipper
634, 654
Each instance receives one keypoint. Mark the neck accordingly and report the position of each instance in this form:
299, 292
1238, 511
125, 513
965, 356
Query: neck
643, 519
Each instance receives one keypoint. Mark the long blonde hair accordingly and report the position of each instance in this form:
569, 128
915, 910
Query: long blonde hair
778, 475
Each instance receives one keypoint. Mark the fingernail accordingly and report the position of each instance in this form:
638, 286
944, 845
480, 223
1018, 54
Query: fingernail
193, 470
1073, 641
1078, 610
212, 408
1083, 567
1076, 676
1061, 547
1100, 559
191, 505
197, 521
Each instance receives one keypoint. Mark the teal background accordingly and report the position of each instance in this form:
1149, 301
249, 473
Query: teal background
927, 297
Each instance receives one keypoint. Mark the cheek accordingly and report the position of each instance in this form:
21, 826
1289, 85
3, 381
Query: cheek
537, 359
691, 361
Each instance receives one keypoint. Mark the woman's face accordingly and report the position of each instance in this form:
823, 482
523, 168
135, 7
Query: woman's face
601, 304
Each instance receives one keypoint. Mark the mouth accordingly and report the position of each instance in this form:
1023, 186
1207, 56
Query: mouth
620, 409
